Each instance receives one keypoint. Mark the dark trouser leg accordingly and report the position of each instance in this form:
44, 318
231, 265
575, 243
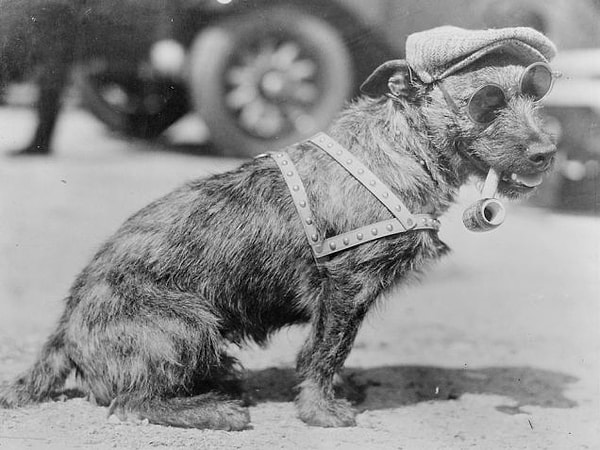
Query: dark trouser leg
51, 87
52, 40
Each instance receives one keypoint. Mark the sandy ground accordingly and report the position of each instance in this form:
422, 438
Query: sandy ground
497, 348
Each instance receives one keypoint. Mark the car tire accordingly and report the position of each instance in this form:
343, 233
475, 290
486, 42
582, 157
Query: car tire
130, 104
268, 78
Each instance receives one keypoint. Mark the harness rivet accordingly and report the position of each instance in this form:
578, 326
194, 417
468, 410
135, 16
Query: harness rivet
339, 152
284, 163
361, 171
390, 227
385, 195
372, 182
314, 237
359, 236
409, 222
349, 161
309, 221
330, 145
374, 231
302, 204
290, 174
296, 187
346, 241
332, 245
398, 207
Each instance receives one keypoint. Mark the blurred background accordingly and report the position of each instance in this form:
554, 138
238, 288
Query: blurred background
239, 77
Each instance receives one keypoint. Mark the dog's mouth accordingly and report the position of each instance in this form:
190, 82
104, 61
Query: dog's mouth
514, 184
520, 181
511, 182
523, 181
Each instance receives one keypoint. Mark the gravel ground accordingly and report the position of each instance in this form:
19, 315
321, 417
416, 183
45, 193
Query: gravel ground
497, 348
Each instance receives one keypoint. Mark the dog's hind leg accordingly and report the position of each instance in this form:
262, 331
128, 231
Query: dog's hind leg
154, 353
334, 329
208, 410
160, 384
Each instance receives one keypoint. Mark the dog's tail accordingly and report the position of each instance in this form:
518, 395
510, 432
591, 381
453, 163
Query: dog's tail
46, 375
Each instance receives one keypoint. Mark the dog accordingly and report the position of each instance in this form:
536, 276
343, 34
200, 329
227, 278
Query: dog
235, 257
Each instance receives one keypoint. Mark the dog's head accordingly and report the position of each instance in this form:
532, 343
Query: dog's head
483, 108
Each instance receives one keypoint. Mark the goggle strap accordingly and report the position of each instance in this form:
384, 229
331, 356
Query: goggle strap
453, 106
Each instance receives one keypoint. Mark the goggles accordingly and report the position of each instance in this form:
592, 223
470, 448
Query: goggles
483, 106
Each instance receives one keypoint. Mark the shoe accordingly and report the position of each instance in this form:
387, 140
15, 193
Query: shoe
30, 151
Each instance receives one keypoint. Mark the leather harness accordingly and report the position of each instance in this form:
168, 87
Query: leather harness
402, 222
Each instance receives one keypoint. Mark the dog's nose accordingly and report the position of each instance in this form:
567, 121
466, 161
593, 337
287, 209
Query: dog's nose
541, 154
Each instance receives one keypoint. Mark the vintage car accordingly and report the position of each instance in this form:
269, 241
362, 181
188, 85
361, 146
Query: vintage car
262, 74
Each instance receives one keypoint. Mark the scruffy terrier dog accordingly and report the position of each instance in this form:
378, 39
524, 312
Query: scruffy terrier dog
298, 236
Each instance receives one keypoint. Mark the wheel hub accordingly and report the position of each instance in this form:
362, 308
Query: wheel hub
272, 88
273, 84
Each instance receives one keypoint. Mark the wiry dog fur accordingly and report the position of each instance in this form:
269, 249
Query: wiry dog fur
225, 259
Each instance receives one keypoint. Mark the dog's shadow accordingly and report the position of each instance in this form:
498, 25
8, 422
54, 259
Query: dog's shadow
391, 387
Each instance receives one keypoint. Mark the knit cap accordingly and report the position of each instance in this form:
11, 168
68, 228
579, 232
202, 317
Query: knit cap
436, 53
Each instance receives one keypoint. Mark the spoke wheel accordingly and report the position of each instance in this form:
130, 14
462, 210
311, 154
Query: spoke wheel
268, 78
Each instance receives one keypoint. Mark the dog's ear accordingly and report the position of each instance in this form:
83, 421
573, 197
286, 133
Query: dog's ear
392, 77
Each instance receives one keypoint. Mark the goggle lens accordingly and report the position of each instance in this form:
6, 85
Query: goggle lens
485, 103
536, 81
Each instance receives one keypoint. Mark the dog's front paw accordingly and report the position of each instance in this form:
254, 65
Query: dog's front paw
329, 414
317, 410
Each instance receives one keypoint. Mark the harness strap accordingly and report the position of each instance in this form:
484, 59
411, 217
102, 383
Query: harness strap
402, 221
365, 177
296, 188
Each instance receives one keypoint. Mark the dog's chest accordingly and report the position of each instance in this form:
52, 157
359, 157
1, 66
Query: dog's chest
323, 244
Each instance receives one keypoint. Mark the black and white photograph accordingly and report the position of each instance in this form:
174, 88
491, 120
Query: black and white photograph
299, 224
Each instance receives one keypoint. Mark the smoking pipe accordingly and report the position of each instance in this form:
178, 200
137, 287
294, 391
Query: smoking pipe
487, 213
